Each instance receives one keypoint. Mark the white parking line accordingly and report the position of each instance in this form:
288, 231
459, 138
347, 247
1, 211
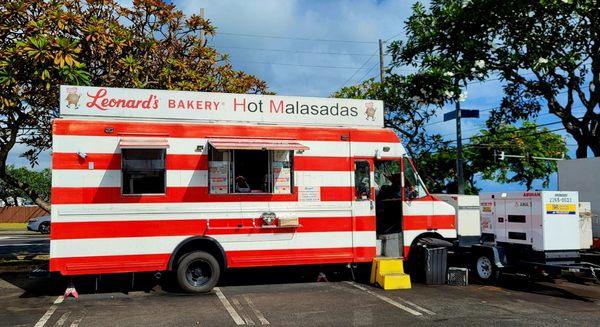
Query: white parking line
429, 312
62, 319
44, 319
259, 315
234, 315
247, 319
388, 300
76, 322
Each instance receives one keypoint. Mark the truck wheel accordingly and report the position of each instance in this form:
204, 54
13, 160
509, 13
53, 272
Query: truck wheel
198, 272
485, 269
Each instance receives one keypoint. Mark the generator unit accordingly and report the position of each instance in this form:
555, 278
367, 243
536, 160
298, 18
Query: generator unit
544, 222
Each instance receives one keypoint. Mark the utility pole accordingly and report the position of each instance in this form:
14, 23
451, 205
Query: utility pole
202, 32
460, 180
381, 73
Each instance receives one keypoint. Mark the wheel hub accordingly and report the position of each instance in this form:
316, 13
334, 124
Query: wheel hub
484, 267
198, 273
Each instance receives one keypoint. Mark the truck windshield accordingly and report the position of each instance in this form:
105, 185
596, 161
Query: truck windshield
413, 185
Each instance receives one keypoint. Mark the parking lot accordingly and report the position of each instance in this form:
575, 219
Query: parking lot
291, 298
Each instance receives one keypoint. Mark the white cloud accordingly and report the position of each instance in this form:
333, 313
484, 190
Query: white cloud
339, 20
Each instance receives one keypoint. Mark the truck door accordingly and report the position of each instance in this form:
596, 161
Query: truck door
363, 205
499, 224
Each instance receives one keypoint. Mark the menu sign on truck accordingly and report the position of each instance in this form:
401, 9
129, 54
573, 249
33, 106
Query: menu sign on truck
203, 106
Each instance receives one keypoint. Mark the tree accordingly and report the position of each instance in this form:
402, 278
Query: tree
547, 51
404, 109
47, 43
482, 157
40, 181
529, 141
439, 174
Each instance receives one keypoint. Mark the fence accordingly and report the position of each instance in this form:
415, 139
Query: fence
20, 214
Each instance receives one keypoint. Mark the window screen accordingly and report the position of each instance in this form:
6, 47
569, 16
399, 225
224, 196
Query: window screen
143, 171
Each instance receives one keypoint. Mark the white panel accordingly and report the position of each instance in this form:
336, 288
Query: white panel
323, 178
410, 235
213, 210
166, 244
112, 178
114, 246
361, 149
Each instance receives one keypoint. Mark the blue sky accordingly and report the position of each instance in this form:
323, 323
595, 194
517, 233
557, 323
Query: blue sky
300, 58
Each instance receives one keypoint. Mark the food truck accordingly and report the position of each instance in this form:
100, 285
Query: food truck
194, 183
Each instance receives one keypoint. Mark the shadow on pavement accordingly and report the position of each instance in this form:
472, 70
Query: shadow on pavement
125, 283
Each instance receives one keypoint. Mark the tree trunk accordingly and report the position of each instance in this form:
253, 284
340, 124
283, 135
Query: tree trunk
27, 190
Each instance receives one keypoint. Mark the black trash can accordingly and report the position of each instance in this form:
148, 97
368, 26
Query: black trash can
435, 265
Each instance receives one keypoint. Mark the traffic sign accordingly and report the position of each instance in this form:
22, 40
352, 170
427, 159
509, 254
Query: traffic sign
464, 113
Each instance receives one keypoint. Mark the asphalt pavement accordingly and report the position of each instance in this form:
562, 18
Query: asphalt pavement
13, 244
282, 296
296, 303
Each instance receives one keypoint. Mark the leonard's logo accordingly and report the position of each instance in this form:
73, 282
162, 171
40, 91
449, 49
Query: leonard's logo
370, 111
73, 98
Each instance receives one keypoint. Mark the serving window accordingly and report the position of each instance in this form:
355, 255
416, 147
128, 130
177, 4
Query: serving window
250, 171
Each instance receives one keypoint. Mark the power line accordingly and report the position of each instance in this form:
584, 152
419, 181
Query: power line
357, 70
516, 130
298, 51
368, 72
294, 38
299, 65
498, 145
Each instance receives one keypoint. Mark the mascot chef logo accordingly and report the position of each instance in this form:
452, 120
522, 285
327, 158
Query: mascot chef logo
370, 111
73, 98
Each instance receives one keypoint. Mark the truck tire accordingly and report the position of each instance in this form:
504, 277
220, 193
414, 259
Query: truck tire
485, 269
198, 272
44, 228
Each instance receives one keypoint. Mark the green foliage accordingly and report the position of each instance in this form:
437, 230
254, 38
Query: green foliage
40, 181
542, 49
405, 111
528, 141
481, 158
44, 44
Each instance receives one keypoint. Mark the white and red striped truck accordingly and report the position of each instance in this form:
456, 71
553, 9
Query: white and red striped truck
194, 183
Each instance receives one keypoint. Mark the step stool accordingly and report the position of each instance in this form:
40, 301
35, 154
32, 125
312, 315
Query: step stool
389, 273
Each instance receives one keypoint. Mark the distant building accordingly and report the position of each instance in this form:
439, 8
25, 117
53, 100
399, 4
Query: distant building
582, 175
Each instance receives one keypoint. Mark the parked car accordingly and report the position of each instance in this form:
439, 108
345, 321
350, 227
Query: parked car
39, 224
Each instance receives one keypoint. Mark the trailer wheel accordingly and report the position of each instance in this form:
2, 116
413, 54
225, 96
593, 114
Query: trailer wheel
485, 269
198, 272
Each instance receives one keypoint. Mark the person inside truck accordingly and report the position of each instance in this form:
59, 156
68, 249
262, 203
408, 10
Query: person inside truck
241, 185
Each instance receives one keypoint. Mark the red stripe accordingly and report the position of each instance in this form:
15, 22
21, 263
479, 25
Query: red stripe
172, 227
264, 258
74, 161
112, 161
110, 264
81, 195
322, 163
424, 222
235, 259
97, 128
